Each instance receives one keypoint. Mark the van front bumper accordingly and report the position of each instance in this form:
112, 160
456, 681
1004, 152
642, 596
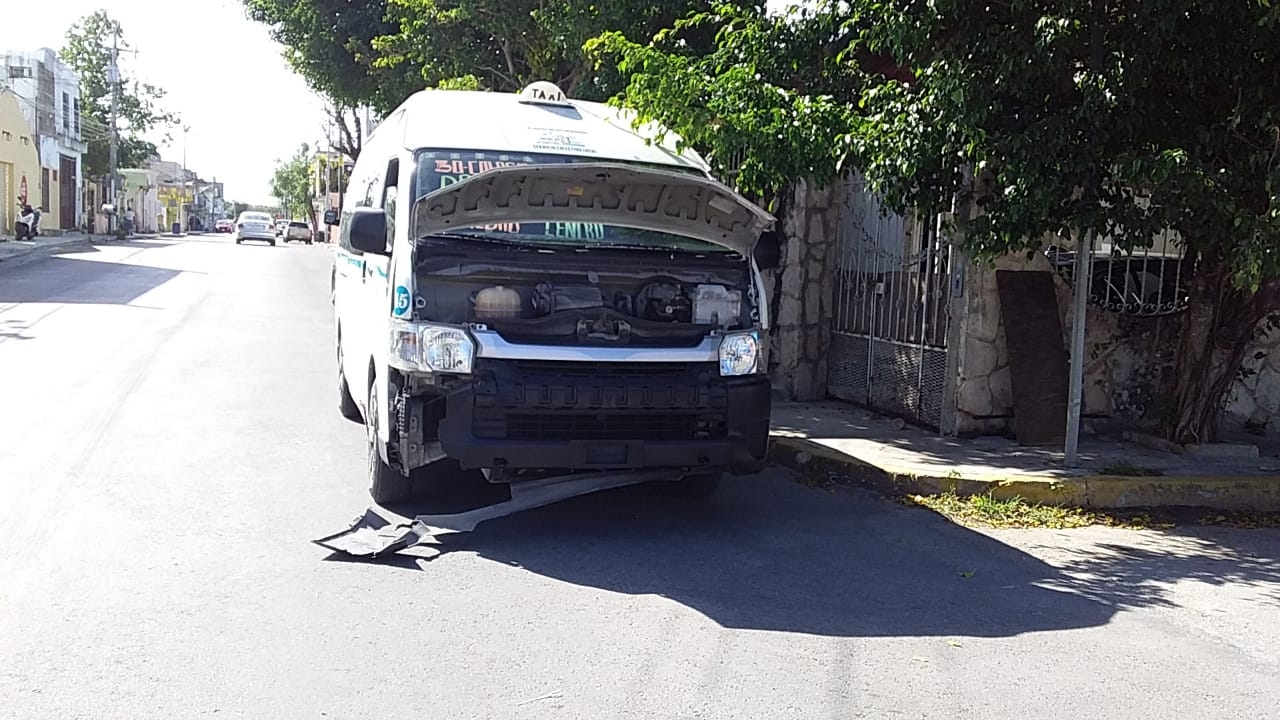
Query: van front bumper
518, 414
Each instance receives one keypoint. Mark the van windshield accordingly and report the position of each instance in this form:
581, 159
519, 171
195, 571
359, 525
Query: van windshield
437, 169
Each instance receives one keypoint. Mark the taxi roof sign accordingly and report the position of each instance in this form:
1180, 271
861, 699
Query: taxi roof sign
543, 93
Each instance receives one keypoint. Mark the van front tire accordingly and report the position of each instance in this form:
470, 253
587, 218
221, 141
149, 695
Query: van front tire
346, 404
386, 485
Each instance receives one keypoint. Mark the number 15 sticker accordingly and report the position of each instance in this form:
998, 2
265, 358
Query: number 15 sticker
403, 302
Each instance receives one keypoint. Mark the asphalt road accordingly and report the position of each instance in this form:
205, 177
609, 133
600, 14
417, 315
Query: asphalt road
169, 446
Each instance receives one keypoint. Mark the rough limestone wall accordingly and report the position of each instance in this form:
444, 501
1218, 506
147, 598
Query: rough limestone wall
984, 393
1254, 400
1125, 361
801, 292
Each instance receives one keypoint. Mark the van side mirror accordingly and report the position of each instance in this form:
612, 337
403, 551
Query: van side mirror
369, 230
768, 250
330, 217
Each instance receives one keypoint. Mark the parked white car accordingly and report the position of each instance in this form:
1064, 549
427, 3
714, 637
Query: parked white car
254, 226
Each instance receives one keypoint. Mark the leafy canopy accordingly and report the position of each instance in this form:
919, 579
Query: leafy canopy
1166, 111
377, 53
88, 52
762, 104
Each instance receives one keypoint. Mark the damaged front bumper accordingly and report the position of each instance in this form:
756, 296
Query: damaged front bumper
376, 534
592, 416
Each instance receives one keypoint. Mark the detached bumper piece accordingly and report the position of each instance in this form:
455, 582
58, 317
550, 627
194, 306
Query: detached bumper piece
520, 414
374, 536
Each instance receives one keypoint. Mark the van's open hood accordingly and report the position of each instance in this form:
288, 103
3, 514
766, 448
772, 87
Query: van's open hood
607, 193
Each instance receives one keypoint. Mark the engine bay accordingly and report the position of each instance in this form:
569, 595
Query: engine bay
585, 298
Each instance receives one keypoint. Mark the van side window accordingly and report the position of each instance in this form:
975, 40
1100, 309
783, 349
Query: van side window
392, 180
365, 187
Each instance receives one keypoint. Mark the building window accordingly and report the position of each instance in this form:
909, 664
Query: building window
76, 117
44, 190
66, 112
19, 71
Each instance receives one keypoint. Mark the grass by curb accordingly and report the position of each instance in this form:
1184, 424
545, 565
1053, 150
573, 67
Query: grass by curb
1015, 513
1056, 505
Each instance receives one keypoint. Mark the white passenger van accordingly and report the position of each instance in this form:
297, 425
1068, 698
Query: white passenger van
525, 286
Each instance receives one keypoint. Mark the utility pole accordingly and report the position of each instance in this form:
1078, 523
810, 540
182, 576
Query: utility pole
183, 218
113, 77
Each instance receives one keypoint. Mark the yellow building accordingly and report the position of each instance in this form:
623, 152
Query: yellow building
19, 163
174, 197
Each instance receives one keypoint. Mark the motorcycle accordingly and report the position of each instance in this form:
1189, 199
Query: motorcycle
27, 226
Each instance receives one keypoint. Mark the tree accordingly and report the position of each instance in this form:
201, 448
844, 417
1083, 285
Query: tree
88, 51
379, 52
344, 129
506, 44
762, 104
291, 183
1104, 116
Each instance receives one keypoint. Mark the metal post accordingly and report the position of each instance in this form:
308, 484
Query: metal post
183, 203
1080, 303
113, 77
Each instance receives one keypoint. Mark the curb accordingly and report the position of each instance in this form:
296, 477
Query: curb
42, 251
1260, 493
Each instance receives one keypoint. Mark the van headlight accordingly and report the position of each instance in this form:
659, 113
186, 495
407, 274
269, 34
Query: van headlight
740, 354
418, 347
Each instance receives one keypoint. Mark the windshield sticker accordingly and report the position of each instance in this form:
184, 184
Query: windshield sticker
576, 230
402, 300
560, 140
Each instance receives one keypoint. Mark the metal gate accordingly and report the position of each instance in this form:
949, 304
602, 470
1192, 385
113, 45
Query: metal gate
889, 332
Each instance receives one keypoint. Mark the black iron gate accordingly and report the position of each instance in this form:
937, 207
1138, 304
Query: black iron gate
889, 333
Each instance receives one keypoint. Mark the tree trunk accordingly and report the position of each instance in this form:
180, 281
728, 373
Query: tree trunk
1217, 330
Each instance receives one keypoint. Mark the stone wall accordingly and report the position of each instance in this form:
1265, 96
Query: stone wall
1129, 360
801, 293
984, 393
1125, 363
1254, 401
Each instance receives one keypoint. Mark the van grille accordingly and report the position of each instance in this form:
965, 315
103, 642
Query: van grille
562, 401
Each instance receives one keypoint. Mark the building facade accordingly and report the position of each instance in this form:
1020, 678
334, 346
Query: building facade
19, 162
48, 91
139, 192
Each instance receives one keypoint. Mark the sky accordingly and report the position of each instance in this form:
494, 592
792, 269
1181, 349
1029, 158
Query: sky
222, 74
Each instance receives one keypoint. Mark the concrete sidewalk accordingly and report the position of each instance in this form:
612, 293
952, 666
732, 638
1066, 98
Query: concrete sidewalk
884, 454
13, 252
16, 251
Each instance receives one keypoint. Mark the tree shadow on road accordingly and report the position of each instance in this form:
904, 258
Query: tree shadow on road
1136, 570
768, 554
